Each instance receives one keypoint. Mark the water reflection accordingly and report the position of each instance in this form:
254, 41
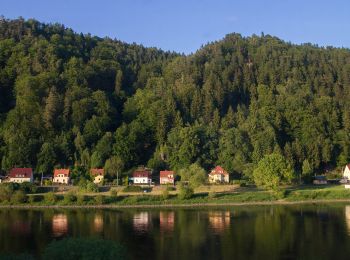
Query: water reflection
20, 227
219, 220
98, 223
347, 217
141, 221
59, 225
166, 221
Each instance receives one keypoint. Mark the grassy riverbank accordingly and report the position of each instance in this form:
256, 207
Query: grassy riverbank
236, 196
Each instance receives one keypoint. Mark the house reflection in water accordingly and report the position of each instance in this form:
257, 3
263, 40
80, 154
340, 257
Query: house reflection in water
20, 227
59, 225
166, 221
141, 221
219, 220
98, 223
347, 218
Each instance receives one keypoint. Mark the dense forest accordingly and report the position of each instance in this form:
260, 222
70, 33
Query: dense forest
80, 101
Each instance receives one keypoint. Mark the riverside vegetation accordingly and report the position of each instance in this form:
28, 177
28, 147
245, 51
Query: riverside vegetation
250, 104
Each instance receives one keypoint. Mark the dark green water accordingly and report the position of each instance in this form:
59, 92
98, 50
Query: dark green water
259, 232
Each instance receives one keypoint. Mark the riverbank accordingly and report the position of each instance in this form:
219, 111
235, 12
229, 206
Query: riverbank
239, 197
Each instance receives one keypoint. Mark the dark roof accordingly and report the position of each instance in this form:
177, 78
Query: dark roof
21, 173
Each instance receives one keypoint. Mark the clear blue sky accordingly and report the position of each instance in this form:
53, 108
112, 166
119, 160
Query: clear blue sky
185, 25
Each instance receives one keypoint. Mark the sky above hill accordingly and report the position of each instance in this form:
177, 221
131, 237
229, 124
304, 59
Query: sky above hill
185, 25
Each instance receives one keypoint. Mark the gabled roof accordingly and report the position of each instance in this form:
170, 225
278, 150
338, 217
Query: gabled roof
21, 173
348, 165
65, 172
95, 172
218, 170
141, 174
165, 174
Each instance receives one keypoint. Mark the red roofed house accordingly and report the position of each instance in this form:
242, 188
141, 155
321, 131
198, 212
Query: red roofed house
142, 176
20, 175
166, 177
346, 173
98, 175
61, 176
219, 175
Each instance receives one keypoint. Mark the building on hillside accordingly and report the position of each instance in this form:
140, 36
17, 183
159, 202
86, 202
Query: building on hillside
167, 177
219, 175
20, 175
142, 176
97, 175
61, 176
346, 173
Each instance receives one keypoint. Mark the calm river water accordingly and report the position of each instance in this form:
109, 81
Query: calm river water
254, 232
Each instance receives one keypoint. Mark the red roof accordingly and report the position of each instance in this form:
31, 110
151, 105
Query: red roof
95, 172
141, 174
218, 170
165, 174
21, 173
65, 172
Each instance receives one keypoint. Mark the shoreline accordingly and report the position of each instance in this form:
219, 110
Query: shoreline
184, 205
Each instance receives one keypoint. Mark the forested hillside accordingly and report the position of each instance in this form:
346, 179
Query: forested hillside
69, 99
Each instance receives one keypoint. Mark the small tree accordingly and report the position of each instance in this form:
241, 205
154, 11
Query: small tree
185, 192
194, 174
272, 171
19, 197
113, 166
306, 170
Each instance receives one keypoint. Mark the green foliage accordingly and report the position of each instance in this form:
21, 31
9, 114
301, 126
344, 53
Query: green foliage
19, 197
6, 191
99, 199
165, 194
69, 197
185, 193
28, 187
87, 186
272, 171
194, 174
50, 198
132, 189
84, 248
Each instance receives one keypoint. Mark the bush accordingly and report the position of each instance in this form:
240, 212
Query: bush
81, 199
165, 194
28, 187
91, 187
32, 199
132, 189
185, 193
99, 199
6, 191
113, 193
19, 197
280, 194
69, 197
170, 188
50, 197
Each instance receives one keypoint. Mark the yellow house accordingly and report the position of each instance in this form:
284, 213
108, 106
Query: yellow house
97, 175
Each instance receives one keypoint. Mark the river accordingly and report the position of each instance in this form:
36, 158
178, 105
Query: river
308, 231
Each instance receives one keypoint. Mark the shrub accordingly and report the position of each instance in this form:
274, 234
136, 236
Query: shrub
50, 197
185, 193
69, 197
280, 194
6, 191
170, 188
32, 199
165, 194
19, 197
132, 189
91, 187
113, 192
28, 187
99, 199
81, 199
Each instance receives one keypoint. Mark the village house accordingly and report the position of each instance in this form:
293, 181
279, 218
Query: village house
346, 173
166, 177
142, 176
20, 175
219, 175
97, 175
61, 176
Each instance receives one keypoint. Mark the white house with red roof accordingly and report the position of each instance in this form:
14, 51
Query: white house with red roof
142, 176
97, 175
61, 176
166, 177
346, 173
20, 175
219, 175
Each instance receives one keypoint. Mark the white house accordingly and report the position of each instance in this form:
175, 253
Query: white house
61, 176
142, 176
20, 175
219, 175
346, 173
166, 177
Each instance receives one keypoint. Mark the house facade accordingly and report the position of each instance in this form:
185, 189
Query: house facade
61, 176
20, 175
142, 176
97, 175
166, 177
219, 175
346, 173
